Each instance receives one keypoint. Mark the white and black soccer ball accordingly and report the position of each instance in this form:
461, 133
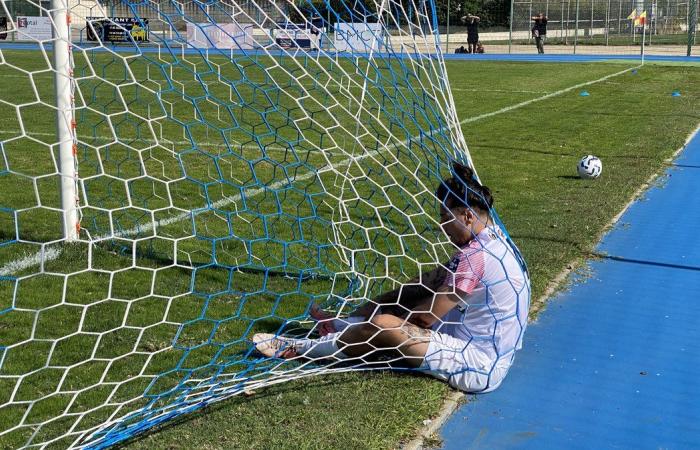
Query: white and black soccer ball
589, 167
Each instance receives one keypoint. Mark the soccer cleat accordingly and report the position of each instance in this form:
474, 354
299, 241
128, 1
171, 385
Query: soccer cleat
274, 346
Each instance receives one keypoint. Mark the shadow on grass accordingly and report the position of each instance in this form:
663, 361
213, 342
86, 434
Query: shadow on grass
525, 150
260, 397
209, 409
635, 157
655, 116
577, 245
7, 236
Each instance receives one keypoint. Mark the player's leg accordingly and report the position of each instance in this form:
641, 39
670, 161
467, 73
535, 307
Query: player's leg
440, 355
385, 332
398, 302
380, 334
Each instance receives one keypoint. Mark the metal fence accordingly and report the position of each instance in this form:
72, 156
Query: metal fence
574, 26
261, 12
593, 27
608, 23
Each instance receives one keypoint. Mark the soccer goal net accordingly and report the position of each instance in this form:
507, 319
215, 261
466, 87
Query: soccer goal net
178, 176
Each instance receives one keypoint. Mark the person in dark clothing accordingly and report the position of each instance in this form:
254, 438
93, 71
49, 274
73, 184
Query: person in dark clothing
472, 23
539, 31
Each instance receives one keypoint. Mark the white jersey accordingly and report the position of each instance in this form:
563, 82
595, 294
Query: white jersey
495, 293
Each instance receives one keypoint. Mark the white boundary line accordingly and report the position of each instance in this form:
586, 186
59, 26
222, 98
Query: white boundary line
544, 97
126, 82
38, 258
46, 255
164, 141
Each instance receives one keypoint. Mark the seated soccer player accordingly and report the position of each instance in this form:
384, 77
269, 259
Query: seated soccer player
461, 323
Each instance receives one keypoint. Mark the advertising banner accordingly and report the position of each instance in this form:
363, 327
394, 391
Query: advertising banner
34, 28
222, 36
117, 29
359, 37
302, 35
296, 39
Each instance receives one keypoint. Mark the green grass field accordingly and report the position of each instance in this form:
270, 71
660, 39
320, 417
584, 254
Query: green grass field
127, 300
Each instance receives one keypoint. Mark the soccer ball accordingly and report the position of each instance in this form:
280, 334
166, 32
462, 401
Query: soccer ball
589, 167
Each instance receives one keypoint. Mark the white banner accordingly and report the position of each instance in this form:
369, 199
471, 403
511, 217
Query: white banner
308, 39
359, 37
223, 36
34, 28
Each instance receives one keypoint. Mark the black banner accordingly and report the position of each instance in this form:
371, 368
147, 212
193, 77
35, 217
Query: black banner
3, 28
117, 29
303, 43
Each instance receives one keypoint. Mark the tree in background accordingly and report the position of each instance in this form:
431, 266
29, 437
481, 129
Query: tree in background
493, 13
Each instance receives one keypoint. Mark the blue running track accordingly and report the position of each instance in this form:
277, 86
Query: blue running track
615, 362
531, 57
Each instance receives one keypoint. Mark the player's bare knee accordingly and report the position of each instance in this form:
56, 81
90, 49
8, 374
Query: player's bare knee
422, 320
385, 321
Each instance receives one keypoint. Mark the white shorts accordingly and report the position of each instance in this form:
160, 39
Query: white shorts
464, 367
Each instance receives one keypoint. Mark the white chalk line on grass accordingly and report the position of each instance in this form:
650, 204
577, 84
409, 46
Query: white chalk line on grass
163, 141
40, 257
49, 254
195, 82
544, 97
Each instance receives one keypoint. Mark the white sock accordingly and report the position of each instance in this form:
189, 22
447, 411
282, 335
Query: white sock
342, 324
322, 347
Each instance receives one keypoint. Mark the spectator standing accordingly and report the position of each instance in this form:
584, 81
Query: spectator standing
472, 23
539, 31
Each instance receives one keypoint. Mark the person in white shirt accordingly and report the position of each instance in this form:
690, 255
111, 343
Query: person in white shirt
461, 323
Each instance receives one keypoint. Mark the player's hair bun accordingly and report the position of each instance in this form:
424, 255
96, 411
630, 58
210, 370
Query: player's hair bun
464, 190
464, 173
